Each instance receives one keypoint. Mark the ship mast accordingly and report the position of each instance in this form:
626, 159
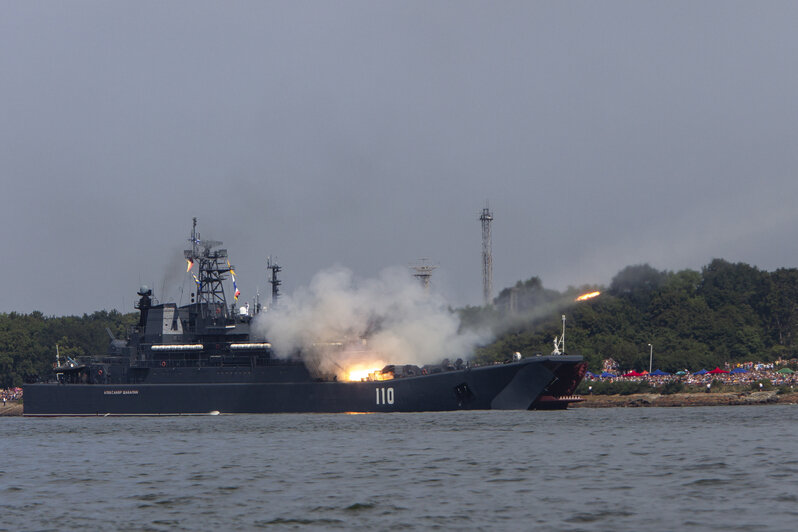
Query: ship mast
275, 282
213, 267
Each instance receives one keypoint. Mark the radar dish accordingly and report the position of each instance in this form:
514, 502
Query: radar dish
208, 244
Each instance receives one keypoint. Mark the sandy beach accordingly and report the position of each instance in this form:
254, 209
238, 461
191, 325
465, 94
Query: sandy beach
11, 408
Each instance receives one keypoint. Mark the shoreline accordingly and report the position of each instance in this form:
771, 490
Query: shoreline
686, 399
636, 400
12, 408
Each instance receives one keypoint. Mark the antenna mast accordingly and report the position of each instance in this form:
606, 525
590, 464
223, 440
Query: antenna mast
487, 257
213, 266
559, 343
275, 282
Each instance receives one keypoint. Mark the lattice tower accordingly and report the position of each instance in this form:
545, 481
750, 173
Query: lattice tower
213, 269
487, 257
423, 272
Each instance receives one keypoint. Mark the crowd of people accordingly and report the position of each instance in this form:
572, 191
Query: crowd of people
744, 374
10, 394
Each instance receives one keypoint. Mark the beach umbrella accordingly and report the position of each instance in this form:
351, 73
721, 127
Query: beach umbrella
659, 373
681, 373
739, 370
785, 371
701, 371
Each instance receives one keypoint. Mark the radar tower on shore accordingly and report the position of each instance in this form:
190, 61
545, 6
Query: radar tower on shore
487, 257
423, 272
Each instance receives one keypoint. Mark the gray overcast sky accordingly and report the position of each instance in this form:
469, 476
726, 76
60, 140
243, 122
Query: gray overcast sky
370, 134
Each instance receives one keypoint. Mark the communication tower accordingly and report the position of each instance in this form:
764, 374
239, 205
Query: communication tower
487, 257
423, 273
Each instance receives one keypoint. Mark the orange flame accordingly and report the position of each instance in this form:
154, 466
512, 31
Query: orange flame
359, 373
589, 295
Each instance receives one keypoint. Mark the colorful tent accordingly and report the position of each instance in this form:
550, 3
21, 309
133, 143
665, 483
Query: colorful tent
633, 373
739, 370
659, 373
785, 371
717, 371
701, 371
607, 374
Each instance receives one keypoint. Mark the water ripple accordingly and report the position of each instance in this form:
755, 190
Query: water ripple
592, 470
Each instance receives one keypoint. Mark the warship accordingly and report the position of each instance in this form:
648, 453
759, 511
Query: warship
206, 357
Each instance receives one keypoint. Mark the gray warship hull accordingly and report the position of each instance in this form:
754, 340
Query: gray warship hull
538, 382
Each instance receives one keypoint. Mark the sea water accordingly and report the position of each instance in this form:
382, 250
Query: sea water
718, 468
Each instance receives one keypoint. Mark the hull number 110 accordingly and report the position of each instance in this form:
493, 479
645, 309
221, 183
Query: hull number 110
384, 396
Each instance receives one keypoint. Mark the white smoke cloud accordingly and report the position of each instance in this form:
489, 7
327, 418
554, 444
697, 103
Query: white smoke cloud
401, 323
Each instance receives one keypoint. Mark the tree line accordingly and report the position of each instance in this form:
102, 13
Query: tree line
727, 312
27, 341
